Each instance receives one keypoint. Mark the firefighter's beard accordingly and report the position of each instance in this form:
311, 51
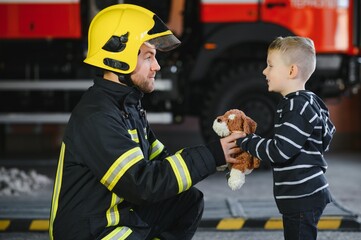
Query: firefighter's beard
144, 84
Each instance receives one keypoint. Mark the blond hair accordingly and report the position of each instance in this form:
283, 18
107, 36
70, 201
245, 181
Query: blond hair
297, 50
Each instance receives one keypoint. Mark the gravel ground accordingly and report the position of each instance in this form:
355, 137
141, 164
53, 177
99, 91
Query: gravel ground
214, 235
266, 235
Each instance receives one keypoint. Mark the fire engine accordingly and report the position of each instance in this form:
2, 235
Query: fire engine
218, 66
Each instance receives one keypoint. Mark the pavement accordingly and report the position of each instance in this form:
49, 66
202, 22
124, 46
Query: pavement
253, 206
250, 208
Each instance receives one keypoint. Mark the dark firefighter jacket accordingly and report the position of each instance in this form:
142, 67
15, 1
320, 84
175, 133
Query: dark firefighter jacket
110, 160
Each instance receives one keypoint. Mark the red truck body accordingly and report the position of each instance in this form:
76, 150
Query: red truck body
224, 51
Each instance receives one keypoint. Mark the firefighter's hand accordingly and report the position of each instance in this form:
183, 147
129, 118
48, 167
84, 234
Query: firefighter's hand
230, 147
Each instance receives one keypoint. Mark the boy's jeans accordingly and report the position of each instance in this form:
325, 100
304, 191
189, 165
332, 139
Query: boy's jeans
301, 226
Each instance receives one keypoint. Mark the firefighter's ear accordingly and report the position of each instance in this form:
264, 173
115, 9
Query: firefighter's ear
293, 71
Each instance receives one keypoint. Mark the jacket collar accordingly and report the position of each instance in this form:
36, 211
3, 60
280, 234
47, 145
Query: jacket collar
122, 93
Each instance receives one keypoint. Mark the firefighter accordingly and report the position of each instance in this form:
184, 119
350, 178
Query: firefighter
115, 179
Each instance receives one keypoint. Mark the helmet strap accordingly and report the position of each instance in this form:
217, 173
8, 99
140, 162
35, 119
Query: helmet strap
125, 78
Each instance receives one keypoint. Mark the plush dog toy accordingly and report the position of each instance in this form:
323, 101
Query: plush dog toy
236, 120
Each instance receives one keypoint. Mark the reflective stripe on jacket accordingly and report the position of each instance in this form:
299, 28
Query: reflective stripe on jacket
110, 160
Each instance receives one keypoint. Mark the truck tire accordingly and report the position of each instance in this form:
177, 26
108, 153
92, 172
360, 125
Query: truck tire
244, 89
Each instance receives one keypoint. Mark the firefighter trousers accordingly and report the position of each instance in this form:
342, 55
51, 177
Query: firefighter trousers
175, 218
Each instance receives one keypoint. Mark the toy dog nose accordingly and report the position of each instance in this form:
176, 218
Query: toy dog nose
219, 120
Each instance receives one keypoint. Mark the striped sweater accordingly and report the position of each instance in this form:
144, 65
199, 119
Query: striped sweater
302, 133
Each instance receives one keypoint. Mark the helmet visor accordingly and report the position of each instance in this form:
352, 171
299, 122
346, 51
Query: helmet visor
165, 43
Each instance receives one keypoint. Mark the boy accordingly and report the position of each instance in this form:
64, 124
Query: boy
302, 133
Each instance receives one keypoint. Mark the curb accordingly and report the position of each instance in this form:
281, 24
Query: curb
232, 224
225, 224
24, 225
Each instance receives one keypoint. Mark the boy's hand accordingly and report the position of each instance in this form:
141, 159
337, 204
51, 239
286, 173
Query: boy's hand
230, 147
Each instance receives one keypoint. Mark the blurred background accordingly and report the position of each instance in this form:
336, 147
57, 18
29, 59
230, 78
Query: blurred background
217, 67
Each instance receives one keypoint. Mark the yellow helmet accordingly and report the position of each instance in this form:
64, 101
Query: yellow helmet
117, 32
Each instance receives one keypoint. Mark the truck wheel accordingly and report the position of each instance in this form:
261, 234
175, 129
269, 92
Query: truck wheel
245, 90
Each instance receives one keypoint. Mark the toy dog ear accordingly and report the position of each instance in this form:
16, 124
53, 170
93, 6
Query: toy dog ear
253, 124
249, 126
